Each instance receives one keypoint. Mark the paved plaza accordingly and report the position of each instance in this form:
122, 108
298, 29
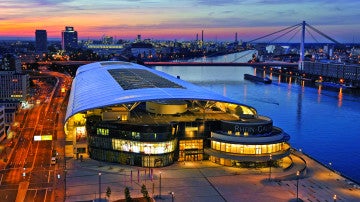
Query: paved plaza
209, 182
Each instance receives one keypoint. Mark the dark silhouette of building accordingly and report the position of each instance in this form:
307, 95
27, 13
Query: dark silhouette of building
40, 41
69, 39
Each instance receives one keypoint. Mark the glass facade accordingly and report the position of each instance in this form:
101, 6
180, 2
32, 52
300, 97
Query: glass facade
191, 150
145, 154
247, 149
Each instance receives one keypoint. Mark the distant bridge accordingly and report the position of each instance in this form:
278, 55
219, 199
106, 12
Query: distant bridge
253, 64
170, 63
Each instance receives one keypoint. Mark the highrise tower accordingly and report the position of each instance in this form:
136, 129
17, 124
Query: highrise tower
69, 39
40, 41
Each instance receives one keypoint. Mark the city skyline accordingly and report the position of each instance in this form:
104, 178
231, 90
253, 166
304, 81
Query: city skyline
180, 20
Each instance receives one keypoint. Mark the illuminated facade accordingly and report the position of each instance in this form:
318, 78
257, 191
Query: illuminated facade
126, 113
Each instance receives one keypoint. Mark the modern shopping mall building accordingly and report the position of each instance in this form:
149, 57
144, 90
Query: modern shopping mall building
130, 114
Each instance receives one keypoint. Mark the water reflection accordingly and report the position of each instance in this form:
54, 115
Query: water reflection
340, 97
320, 120
339, 94
319, 94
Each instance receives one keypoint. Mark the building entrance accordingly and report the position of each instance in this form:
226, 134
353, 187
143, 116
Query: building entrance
191, 157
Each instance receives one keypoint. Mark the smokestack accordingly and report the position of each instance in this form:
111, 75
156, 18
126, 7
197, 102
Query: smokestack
202, 35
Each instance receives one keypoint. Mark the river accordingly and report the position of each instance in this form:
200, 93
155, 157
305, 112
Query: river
323, 123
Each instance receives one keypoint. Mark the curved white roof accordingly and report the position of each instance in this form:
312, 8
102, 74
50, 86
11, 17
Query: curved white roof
101, 84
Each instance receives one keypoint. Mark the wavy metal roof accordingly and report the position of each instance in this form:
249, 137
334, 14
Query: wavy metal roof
101, 84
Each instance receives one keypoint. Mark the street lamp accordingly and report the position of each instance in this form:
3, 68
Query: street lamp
172, 196
24, 173
270, 158
330, 164
65, 180
297, 185
334, 197
160, 186
100, 186
148, 151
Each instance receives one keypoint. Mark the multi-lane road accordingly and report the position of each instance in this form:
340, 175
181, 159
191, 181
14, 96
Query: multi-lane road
29, 174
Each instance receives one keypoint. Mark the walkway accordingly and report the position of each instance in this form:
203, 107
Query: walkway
209, 182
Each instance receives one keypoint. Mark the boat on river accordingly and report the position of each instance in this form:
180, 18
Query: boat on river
250, 77
335, 85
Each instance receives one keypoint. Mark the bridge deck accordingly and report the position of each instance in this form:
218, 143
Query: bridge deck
256, 64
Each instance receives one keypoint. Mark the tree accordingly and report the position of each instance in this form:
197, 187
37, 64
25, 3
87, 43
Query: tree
127, 195
145, 192
108, 192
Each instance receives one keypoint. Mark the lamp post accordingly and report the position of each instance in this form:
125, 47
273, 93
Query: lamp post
330, 164
270, 158
65, 181
297, 185
160, 185
148, 151
100, 186
334, 197
24, 173
172, 196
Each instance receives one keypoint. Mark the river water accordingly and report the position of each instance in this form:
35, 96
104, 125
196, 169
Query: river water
323, 123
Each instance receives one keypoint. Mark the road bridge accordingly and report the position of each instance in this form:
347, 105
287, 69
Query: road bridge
254, 64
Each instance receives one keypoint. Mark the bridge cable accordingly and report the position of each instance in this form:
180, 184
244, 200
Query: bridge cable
241, 56
274, 32
294, 35
308, 31
284, 34
322, 34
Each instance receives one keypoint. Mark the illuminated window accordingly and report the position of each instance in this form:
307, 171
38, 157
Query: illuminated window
222, 146
124, 117
217, 147
143, 147
102, 131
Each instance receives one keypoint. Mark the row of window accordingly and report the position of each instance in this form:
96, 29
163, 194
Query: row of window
247, 149
131, 158
133, 146
144, 147
133, 135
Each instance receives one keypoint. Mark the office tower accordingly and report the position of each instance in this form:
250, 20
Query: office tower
138, 37
69, 39
40, 41
10, 62
13, 83
236, 37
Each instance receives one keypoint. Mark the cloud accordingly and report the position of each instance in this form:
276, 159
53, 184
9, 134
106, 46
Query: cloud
219, 2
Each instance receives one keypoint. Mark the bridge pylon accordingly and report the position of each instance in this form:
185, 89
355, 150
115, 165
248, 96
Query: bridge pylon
302, 47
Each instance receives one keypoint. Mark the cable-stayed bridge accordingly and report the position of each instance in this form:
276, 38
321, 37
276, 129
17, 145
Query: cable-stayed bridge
333, 71
292, 35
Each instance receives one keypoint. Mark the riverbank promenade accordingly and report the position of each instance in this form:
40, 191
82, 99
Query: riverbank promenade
208, 182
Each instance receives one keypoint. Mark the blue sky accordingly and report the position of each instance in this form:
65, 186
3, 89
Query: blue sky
184, 19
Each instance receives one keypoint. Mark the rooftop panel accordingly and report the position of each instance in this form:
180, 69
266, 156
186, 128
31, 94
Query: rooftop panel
130, 79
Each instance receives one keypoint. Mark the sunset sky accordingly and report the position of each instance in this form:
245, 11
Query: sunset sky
178, 19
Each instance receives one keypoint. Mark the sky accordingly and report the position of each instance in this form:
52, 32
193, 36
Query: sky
180, 19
